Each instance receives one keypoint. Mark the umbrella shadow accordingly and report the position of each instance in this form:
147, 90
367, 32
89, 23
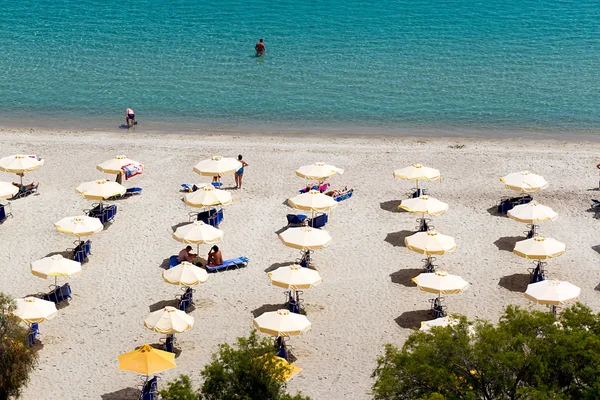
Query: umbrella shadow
273, 267
285, 203
507, 243
266, 308
160, 346
159, 305
515, 282
122, 394
64, 253
391, 206
165, 263
596, 248
179, 225
493, 210
404, 276
412, 319
396, 239
281, 230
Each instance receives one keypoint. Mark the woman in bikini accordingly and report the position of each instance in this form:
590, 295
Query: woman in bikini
239, 174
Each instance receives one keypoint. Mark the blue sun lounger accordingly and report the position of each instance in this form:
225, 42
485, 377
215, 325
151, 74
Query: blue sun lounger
4, 214
173, 261
33, 332
295, 219
186, 299
231, 263
58, 295
150, 389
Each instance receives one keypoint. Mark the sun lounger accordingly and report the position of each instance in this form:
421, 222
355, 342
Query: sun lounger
105, 214
81, 252
344, 195
26, 190
186, 299
173, 261
418, 193
595, 204
150, 389
169, 343
33, 332
5, 212
212, 217
320, 187
59, 294
305, 261
437, 309
428, 265
508, 203
231, 263
424, 224
295, 219
319, 221
281, 348
294, 303
538, 273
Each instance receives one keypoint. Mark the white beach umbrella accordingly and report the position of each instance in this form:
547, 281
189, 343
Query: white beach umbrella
20, 163
313, 200
552, 292
100, 189
418, 172
217, 165
185, 274
55, 266
282, 323
440, 283
424, 205
524, 182
295, 277
442, 321
305, 238
79, 226
430, 243
34, 310
207, 196
539, 248
318, 171
114, 165
169, 320
198, 233
531, 213
7, 190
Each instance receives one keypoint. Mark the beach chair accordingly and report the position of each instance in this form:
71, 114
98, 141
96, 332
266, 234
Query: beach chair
295, 219
344, 196
281, 348
150, 389
319, 221
133, 190
5, 212
428, 265
305, 261
59, 294
168, 343
24, 191
212, 217
33, 332
81, 252
231, 263
186, 299
508, 203
532, 231
437, 309
595, 204
294, 303
173, 261
424, 224
418, 193
537, 274
217, 185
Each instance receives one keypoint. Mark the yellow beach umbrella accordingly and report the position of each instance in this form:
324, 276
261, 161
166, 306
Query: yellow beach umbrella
532, 212
313, 200
146, 360
217, 165
424, 205
79, 226
282, 323
318, 171
207, 196
305, 238
440, 283
185, 274
100, 189
169, 320
55, 266
114, 165
430, 243
20, 163
295, 277
524, 182
198, 233
7, 190
418, 172
552, 292
34, 310
539, 248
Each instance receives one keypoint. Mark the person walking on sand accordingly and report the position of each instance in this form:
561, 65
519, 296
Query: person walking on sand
260, 48
239, 174
130, 116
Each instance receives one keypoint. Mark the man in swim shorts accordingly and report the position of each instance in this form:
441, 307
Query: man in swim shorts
129, 116
260, 48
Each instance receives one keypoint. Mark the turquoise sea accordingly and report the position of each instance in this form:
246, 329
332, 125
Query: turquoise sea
375, 65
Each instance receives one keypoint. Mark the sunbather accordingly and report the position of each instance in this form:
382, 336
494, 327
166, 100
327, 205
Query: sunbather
24, 188
336, 193
187, 255
215, 258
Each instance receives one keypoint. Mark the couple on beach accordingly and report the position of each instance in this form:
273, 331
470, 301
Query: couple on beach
214, 259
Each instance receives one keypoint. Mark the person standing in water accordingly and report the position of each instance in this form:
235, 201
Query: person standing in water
239, 174
260, 48
130, 116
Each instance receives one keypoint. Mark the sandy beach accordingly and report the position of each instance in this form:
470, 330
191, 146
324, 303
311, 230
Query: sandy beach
366, 299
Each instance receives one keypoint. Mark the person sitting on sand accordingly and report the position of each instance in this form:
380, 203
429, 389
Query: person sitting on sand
215, 258
130, 116
187, 255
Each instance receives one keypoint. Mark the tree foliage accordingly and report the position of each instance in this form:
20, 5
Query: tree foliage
527, 355
17, 359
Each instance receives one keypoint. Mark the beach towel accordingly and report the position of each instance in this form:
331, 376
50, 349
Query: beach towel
131, 170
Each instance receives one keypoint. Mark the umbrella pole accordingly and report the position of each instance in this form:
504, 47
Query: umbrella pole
21, 175
55, 281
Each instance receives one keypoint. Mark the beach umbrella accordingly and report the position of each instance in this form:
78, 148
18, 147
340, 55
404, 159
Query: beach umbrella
290, 368
185, 274
146, 360
318, 171
55, 266
424, 205
79, 226
35, 310
430, 243
282, 323
313, 200
441, 283
217, 166
552, 292
20, 163
7, 190
418, 172
198, 233
532, 212
207, 196
524, 182
294, 277
114, 165
539, 248
169, 320
442, 321
305, 238
100, 189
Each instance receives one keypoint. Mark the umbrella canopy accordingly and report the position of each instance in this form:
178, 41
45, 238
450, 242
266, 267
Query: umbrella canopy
32, 309
295, 277
443, 321
185, 274
207, 196
539, 248
198, 233
20, 163
114, 165
55, 266
440, 283
7, 190
282, 323
430, 243
146, 360
318, 171
424, 205
79, 226
551, 292
532, 212
169, 320
313, 200
100, 189
524, 182
305, 238
418, 172
217, 166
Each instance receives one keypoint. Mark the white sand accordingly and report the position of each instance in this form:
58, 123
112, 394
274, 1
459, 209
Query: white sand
366, 299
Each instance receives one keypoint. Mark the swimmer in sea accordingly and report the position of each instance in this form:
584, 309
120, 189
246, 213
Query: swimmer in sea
260, 48
129, 116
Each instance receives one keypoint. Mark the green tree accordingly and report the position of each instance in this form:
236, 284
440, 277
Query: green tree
180, 389
17, 359
527, 355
